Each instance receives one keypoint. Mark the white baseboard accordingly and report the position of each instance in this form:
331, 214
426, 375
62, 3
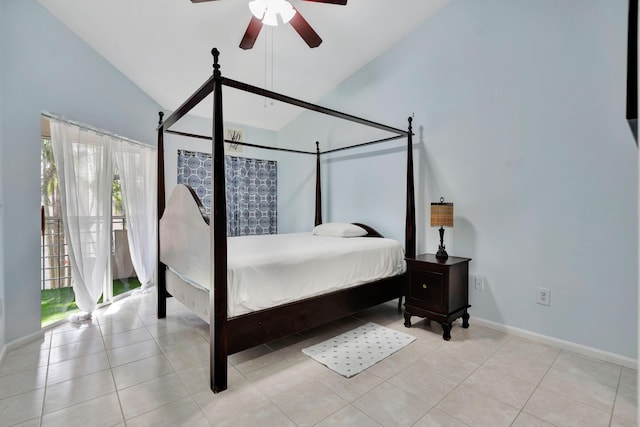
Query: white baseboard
12, 345
28, 339
565, 345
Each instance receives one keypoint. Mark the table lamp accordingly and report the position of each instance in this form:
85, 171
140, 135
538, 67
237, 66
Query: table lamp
442, 215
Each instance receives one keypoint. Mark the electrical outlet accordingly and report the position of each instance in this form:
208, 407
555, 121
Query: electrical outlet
479, 284
543, 296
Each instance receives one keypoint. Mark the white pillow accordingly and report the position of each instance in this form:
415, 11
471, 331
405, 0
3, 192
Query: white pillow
339, 229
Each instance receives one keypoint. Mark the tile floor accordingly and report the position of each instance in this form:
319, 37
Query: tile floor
126, 367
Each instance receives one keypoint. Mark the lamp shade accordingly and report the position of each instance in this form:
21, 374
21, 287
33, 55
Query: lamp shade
441, 214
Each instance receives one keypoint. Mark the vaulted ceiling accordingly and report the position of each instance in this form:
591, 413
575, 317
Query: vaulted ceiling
164, 46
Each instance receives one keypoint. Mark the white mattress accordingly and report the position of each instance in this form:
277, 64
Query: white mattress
266, 271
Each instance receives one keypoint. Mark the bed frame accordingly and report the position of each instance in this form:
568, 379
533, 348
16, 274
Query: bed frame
229, 335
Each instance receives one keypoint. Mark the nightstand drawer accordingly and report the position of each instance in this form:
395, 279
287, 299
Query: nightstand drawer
428, 287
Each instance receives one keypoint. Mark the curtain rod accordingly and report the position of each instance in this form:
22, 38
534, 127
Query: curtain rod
94, 129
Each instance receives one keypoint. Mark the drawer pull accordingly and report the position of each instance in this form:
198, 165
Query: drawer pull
424, 286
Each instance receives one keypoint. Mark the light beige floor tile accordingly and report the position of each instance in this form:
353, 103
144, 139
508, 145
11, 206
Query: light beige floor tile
188, 356
527, 420
116, 313
75, 335
228, 404
390, 406
41, 344
141, 371
280, 382
21, 407
184, 412
77, 367
103, 411
517, 367
622, 422
150, 395
150, 319
349, 388
74, 327
348, 416
196, 378
78, 390
626, 405
593, 369
17, 362
267, 414
293, 353
449, 365
126, 338
278, 377
180, 340
477, 409
507, 389
130, 353
537, 352
308, 403
168, 326
629, 380
578, 388
563, 411
395, 363
437, 418
35, 422
421, 380
475, 348
75, 350
13, 384
258, 363
116, 326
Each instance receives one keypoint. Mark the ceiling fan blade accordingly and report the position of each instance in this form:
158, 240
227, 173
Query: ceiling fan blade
304, 29
201, 1
342, 2
250, 36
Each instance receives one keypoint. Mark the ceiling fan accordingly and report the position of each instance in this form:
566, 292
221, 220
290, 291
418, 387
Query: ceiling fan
273, 12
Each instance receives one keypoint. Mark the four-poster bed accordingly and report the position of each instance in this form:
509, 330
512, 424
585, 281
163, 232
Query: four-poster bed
231, 334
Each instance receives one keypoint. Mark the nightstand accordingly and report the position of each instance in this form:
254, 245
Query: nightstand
437, 290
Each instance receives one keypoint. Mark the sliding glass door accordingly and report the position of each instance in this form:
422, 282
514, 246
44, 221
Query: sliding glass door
57, 296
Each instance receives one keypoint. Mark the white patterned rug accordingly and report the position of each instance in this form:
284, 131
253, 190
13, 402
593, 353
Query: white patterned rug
352, 352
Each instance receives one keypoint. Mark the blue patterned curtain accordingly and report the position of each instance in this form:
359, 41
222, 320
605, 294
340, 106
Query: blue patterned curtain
251, 190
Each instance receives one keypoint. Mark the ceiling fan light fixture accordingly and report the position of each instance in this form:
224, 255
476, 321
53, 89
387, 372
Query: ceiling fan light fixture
268, 10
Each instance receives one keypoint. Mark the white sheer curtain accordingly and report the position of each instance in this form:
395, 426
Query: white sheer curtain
85, 176
137, 168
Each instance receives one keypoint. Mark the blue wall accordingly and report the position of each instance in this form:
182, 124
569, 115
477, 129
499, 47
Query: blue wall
46, 67
519, 120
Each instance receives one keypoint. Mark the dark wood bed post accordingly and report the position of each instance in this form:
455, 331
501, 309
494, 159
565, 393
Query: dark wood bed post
162, 285
318, 187
219, 345
410, 223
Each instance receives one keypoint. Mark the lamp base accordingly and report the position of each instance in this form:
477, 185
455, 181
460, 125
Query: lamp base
441, 254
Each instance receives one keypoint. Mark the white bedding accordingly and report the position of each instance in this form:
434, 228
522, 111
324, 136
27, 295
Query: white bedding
266, 271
